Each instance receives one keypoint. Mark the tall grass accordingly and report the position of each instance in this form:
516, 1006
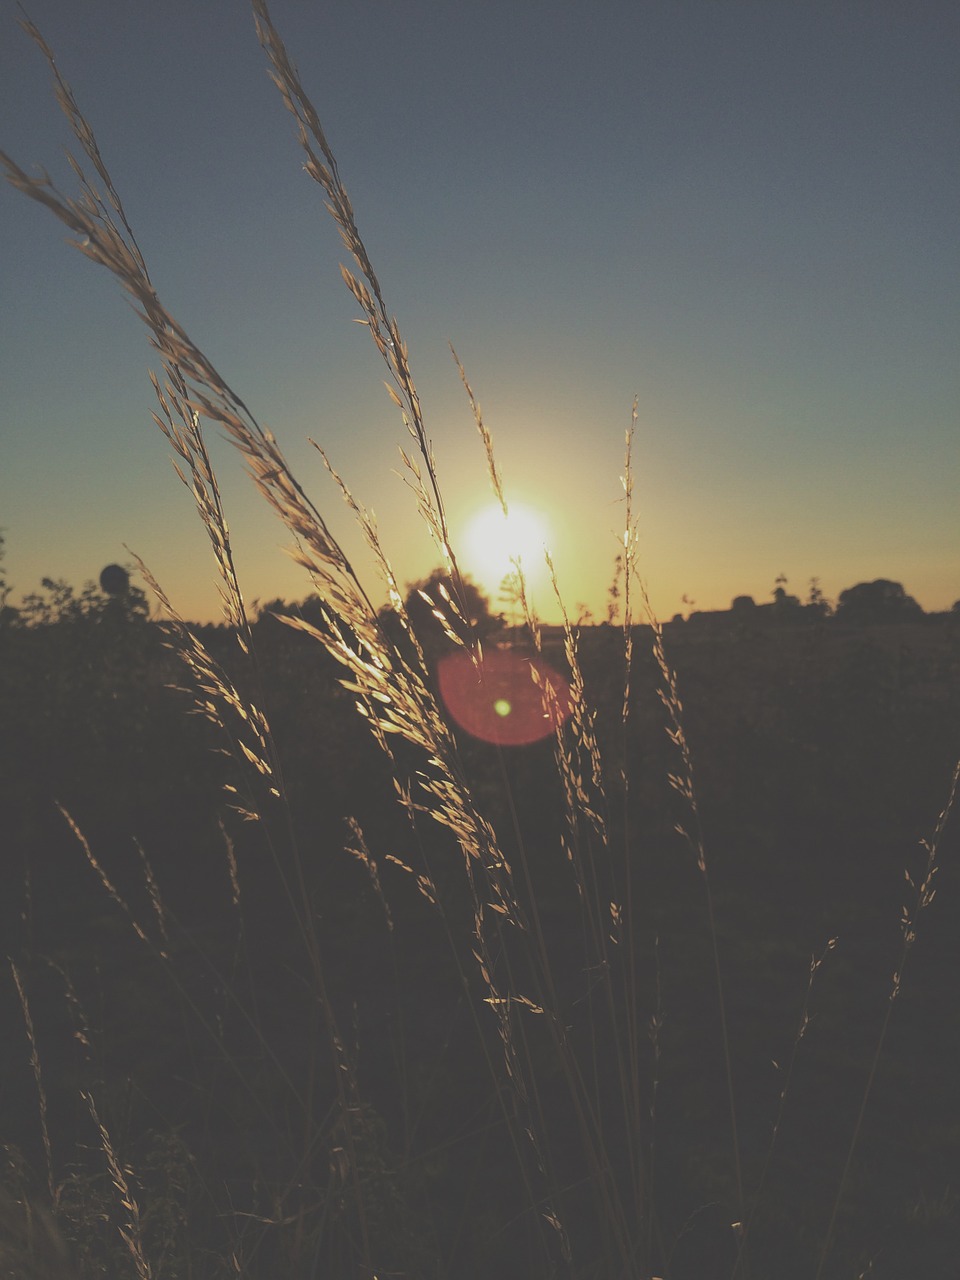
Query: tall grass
567, 1021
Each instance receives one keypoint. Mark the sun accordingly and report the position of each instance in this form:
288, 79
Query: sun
494, 541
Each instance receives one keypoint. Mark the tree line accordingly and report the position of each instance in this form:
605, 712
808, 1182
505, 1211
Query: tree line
433, 612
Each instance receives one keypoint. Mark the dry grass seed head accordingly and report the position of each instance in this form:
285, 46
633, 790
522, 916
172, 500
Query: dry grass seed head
358, 848
130, 1232
38, 1080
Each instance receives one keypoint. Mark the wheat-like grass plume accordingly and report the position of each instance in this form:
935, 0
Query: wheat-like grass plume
921, 897
112, 890
153, 891
357, 847
321, 165
219, 701
131, 1232
816, 962
38, 1080
691, 832
493, 470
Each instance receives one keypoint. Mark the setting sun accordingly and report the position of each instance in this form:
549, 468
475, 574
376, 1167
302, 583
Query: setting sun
494, 542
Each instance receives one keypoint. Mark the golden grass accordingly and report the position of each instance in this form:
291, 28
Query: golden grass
390, 681
130, 1230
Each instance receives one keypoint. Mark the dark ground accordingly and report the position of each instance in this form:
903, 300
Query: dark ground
822, 753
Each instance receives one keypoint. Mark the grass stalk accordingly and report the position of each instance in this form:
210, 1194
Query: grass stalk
691, 833
520, 1008
804, 1022
131, 1232
38, 1081
922, 894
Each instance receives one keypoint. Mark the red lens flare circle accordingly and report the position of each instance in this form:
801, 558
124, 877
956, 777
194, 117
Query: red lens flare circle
500, 701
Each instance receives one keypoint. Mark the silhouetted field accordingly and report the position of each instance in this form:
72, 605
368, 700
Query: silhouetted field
822, 754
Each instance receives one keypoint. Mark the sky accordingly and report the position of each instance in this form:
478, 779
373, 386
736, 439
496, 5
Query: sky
743, 214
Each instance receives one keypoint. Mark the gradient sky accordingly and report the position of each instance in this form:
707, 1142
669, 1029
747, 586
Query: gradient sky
744, 213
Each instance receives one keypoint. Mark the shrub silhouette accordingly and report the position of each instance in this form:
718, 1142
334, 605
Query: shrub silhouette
878, 601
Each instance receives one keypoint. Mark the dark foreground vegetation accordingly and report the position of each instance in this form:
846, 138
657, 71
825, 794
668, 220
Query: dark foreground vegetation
296, 992
822, 754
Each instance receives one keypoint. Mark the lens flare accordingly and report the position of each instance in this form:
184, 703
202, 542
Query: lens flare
510, 699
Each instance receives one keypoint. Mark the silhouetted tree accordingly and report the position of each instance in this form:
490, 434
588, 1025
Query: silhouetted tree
309, 608
435, 595
57, 602
510, 596
785, 606
817, 601
878, 601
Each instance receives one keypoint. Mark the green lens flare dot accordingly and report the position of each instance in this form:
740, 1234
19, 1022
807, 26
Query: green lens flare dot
502, 707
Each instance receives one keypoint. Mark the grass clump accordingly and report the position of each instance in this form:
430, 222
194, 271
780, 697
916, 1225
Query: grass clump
476, 1057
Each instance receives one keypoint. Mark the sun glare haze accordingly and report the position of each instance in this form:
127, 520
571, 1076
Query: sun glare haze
495, 544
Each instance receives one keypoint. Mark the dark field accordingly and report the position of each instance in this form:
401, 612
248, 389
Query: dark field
822, 754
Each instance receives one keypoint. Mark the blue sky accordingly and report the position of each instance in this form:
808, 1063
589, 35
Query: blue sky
745, 214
